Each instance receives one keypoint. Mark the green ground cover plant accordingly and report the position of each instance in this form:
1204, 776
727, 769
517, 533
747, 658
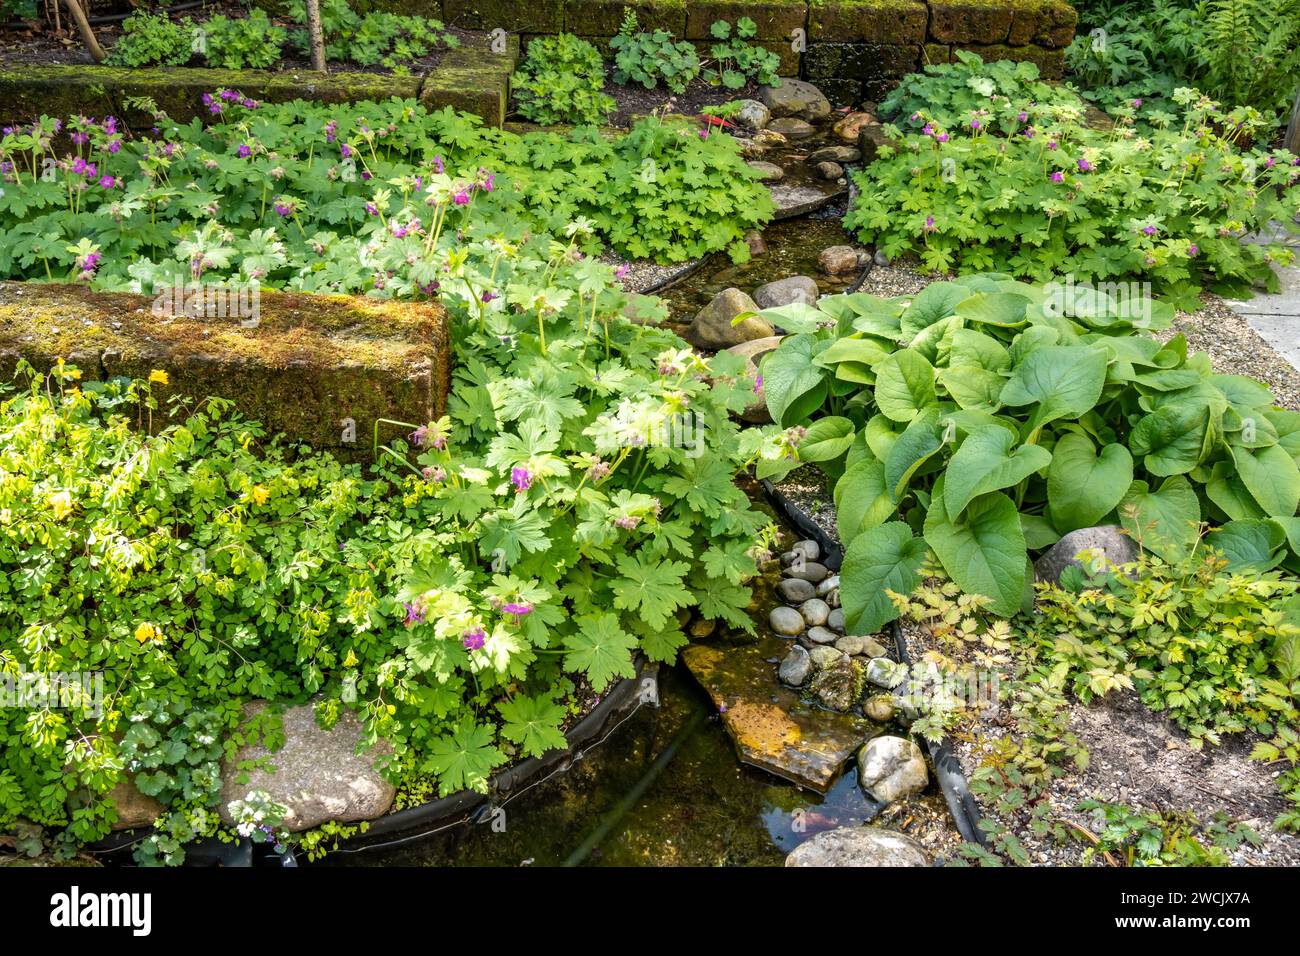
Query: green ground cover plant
652, 58
986, 180
561, 80
737, 60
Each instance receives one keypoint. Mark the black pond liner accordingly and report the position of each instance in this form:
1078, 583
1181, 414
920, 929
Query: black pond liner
465, 806
947, 770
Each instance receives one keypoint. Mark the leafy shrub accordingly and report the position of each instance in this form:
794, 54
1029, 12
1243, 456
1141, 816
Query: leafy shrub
153, 40
737, 61
371, 39
994, 417
561, 80
252, 41
1164, 838
651, 58
1033, 190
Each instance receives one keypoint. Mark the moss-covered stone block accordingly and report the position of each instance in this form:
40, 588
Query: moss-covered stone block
932, 54
775, 19
1048, 23
859, 61
971, 21
311, 363
485, 53
482, 91
602, 18
894, 22
1051, 63
535, 16
26, 92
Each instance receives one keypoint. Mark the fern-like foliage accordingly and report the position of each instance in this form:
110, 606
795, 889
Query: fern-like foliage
1251, 51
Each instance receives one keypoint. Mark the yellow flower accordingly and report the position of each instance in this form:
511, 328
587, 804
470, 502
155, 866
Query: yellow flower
159, 376
147, 632
61, 503
350, 660
259, 494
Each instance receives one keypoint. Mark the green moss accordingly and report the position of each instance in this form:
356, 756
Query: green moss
474, 90
896, 22
311, 362
775, 19
535, 16
971, 21
1043, 22
602, 18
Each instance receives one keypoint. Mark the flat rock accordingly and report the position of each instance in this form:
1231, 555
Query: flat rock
786, 291
793, 128
858, 846
835, 154
799, 199
850, 128
795, 98
838, 260
796, 590
810, 571
835, 684
823, 635
829, 170
770, 172
751, 115
318, 774
891, 768
712, 326
1109, 539
772, 728
795, 667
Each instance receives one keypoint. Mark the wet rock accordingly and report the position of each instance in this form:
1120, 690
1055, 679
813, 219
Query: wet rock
799, 199
829, 170
891, 768
793, 129
317, 774
703, 627
768, 139
751, 115
809, 571
870, 141
712, 327
824, 656
756, 412
855, 645
814, 612
822, 635
757, 244
795, 667
836, 620
809, 548
829, 585
770, 172
796, 590
835, 684
880, 707
850, 128
134, 809
858, 846
885, 673
796, 98
838, 260
786, 291
772, 727
879, 258
1109, 539
786, 620
835, 154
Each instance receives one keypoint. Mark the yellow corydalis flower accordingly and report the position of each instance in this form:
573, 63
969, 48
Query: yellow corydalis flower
147, 632
259, 494
159, 376
60, 503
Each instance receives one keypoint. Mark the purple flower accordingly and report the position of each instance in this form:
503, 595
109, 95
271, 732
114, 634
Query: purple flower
489, 295
1085, 166
521, 478
372, 209
437, 164
627, 522
414, 613
929, 224
758, 384
107, 182
928, 129
1023, 116
942, 137
975, 124
284, 208
1192, 250
1058, 176
345, 150
1137, 103
434, 473
473, 640
1148, 230
461, 198
1051, 144
1269, 162
517, 610
331, 128
244, 151
486, 180
622, 270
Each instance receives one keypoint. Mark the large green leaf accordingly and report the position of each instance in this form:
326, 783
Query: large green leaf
1082, 486
1003, 309
880, 559
973, 348
1226, 489
972, 387
985, 462
1271, 477
1171, 440
862, 500
1165, 521
1062, 381
936, 301
827, 439
793, 385
918, 443
1253, 544
904, 385
984, 552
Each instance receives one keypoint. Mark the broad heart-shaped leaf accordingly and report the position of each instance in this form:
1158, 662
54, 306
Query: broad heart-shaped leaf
904, 385
1082, 486
827, 438
1003, 309
1291, 528
1063, 381
921, 440
983, 552
985, 463
1171, 440
793, 385
972, 348
1253, 544
936, 301
862, 500
972, 387
1166, 521
880, 559
1226, 489
1271, 477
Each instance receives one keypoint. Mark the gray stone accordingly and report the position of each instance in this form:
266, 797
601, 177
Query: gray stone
770, 172
712, 327
858, 846
834, 684
795, 98
1109, 539
835, 154
836, 621
852, 644
786, 620
879, 258
773, 295
793, 128
885, 673
757, 244
838, 260
796, 590
751, 115
809, 548
795, 667
317, 774
891, 768
821, 635
828, 585
829, 170
824, 656
880, 707
815, 612
808, 570
799, 199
